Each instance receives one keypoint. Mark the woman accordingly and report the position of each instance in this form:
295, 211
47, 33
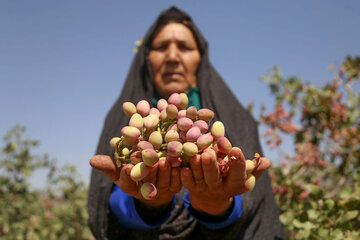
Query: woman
174, 58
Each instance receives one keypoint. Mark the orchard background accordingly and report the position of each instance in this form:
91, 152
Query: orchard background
317, 185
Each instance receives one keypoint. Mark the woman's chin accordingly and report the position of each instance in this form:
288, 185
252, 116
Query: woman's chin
172, 88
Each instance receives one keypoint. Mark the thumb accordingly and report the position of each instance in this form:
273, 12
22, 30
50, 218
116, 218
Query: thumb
107, 165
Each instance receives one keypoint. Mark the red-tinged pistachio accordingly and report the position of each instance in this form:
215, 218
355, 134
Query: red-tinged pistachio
149, 156
191, 113
184, 100
135, 157
129, 142
162, 104
205, 114
204, 141
155, 111
143, 108
134, 147
216, 149
139, 172
174, 161
224, 145
137, 121
181, 113
171, 135
223, 166
171, 111
218, 130
163, 115
174, 148
250, 166
130, 132
129, 108
173, 127
175, 100
142, 145
193, 134
204, 127
156, 139
190, 149
148, 191
114, 142
182, 136
250, 182
184, 124
151, 122
224, 170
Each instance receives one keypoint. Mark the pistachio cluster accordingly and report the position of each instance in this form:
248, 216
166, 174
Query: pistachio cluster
171, 132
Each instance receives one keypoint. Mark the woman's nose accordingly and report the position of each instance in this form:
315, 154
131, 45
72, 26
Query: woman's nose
173, 53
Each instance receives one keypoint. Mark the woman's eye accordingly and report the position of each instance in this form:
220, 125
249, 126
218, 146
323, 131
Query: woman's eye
184, 48
160, 48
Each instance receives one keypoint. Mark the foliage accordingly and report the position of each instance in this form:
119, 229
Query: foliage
318, 185
59, 212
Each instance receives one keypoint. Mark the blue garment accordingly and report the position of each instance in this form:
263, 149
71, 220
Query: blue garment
123, 205
233, 217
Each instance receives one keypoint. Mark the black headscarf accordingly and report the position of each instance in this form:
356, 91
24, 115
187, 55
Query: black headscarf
241, 129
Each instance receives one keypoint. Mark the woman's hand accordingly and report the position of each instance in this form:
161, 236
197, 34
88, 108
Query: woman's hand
165, 178
211, 193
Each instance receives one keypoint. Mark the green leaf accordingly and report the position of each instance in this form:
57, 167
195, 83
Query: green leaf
337, 234
303, 225
286, 217
323, 233
351, 215
314, 205
302, 234
315, 191
312, 214
329, 204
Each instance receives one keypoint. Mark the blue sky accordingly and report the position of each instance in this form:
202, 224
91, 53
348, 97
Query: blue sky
63, 63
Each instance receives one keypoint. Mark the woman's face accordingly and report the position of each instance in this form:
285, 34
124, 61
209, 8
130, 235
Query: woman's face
174, 58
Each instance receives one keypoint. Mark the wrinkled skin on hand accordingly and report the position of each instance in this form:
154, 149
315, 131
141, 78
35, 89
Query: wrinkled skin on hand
211, 193
166, 179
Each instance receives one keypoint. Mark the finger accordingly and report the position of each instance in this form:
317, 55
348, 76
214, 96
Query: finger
107, 165
187, 179
126, 184
175, 183
196, 168
264, 165
211, 170
237, 170
151, 177
163, 175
